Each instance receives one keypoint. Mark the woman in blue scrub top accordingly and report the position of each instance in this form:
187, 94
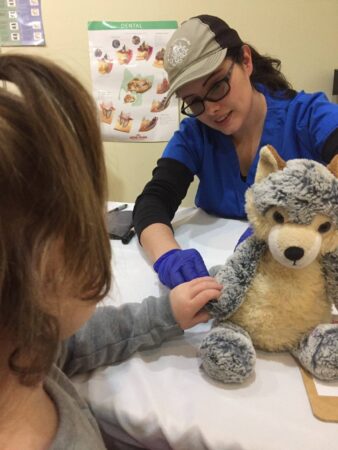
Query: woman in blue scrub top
236, 101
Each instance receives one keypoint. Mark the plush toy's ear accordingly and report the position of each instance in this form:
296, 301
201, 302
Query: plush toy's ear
333, 166
269, 161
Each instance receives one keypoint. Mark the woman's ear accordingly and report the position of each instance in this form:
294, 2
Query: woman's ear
247, 59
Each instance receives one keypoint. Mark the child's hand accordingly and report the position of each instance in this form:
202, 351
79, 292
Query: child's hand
188, 299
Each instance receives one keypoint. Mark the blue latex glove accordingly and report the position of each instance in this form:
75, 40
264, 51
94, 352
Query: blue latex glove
247, 233
178, 266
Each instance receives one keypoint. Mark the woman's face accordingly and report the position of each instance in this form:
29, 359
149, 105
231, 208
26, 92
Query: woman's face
230, 114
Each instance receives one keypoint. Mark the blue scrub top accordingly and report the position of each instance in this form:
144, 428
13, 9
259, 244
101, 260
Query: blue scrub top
297, 128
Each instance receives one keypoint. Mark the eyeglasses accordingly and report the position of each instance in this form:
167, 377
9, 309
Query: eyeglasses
218, 91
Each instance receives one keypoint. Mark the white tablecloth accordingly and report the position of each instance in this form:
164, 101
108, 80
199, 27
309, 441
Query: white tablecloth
162, 400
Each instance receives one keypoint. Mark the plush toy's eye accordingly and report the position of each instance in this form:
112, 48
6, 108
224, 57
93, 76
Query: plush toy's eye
324, 227
277, 217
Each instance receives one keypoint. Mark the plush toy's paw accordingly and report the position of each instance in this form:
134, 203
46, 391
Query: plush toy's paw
227, 353
213, 308
318, 352
214, 269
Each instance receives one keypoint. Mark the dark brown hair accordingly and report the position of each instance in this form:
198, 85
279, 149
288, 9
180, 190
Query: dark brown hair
266, 71
52, 189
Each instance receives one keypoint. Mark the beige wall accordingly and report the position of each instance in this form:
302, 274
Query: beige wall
302, 33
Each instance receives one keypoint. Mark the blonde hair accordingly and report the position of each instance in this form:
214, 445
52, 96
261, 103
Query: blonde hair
52, 188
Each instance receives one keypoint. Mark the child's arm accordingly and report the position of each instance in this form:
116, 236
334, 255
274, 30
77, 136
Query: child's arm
113, 334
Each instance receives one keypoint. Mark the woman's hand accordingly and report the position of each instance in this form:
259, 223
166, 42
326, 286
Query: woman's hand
188, 299
178, 266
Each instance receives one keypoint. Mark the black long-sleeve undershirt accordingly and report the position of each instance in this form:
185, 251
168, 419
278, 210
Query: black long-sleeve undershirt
162, 195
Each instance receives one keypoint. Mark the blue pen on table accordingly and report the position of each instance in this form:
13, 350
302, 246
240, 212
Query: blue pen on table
120, 207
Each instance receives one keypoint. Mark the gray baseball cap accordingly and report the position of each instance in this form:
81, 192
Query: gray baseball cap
196, 49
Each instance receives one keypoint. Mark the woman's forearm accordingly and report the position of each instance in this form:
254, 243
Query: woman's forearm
157, 239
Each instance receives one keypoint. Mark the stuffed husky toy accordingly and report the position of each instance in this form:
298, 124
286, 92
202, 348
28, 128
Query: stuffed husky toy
280, 283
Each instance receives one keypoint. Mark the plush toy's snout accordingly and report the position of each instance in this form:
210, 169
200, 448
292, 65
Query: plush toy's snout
294, 246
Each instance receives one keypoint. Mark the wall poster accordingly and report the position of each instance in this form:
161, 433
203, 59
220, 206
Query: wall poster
21, 23
129, 81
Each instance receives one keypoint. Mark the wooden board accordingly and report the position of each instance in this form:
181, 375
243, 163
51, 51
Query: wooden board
323, 407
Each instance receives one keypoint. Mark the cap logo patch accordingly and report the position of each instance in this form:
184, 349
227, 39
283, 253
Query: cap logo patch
178, 52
